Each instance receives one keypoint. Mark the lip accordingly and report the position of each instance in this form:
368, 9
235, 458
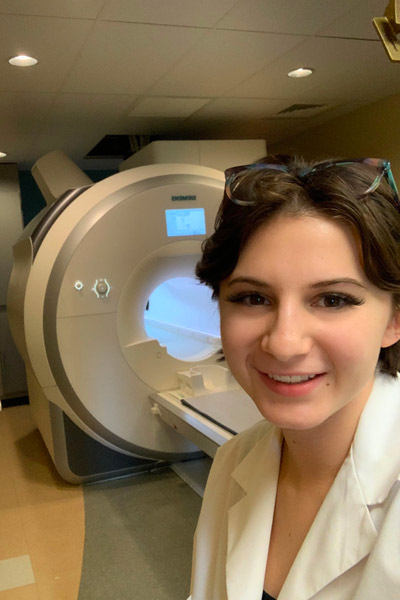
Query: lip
291, 390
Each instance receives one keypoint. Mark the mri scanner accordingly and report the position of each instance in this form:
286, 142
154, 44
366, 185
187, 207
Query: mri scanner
121, 344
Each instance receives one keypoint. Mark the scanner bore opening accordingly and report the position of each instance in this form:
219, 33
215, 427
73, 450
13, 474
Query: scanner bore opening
182, 316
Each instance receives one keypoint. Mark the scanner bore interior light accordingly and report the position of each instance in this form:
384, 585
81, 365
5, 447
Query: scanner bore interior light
23, 61
3, 154
301, 72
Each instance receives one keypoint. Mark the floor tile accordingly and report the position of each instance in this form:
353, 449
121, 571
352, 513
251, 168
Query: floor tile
40, 514
35, 478
27, 592
55, 536
16, 572
64, 587
12, 536
8, 496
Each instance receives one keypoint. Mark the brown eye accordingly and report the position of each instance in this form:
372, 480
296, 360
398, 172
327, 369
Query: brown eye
333, 301
249, 299
256, 300
338, 301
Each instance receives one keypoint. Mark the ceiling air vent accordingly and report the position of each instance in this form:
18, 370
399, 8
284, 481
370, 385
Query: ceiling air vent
301, 111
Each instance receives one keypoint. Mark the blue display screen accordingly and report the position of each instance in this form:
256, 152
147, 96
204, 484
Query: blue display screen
185, 221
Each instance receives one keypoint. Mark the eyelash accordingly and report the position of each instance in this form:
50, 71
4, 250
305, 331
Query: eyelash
244, 298
346, 299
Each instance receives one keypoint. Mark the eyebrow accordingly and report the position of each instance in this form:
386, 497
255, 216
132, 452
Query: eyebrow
341, 280
317, 285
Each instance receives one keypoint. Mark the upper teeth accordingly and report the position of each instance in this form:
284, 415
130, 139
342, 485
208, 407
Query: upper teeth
291, 378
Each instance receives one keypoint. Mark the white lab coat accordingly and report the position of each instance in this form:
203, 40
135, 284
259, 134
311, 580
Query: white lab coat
352, 550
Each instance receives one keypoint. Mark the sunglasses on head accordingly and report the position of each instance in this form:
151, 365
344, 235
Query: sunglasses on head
234, 176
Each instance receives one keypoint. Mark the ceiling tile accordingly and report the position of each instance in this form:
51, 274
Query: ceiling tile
128, 58
221, 60
283, 16
357, 23
342, 72
202, 129
76, 142
54, 42
241, 108
23, 113
88, 9
76, 110
167, 107
279, 130
174, 12
77, 122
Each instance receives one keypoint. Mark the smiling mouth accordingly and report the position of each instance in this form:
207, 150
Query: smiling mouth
291, 378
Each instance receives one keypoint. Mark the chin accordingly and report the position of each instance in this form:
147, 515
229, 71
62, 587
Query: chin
290, 418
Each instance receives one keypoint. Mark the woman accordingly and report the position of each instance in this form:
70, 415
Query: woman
305, 264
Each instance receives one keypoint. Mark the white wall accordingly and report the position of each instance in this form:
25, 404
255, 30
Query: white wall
12, 370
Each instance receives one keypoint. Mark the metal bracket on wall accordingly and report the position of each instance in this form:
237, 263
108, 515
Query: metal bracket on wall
388, 28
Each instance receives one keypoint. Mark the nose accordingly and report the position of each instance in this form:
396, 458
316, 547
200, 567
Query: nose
287, 334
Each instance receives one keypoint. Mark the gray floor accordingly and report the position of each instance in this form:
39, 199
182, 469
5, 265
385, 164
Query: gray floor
138, 538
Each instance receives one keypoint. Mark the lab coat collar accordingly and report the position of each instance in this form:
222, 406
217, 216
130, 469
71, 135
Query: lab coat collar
375, 446
250, 519
341, 535
343, 519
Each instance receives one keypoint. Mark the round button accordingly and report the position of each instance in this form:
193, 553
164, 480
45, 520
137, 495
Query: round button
102, 287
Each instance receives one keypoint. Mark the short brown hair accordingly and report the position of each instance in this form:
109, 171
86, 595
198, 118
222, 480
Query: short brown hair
334, 193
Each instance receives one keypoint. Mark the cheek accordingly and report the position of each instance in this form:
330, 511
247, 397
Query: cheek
355, 346
239, 337
231, 335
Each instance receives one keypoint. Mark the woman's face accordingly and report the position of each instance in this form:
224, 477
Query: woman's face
301, 324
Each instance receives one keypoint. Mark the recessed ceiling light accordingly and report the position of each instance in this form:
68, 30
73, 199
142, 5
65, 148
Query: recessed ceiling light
301, 72
23, 61
3, 154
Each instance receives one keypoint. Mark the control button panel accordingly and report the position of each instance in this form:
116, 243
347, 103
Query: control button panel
101, 288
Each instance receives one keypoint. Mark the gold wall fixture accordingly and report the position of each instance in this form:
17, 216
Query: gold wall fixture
388, 28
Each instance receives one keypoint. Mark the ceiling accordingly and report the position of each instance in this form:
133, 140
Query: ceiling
181, 69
